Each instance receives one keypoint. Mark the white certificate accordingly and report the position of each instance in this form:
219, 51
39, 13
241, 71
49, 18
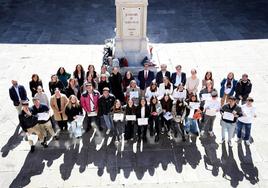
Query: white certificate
118, 117
133, 94
228, 116
142, 121
44, 116
191, 115
79, 119
211, 112
206, 96
168, 116
131, 117
194, 105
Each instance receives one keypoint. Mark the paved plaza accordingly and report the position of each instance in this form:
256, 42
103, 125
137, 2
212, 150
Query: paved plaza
221, 36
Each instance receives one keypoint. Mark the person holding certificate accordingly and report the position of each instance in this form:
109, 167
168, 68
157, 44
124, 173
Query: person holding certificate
155, 112
152, 90
133, 92
118, 121
211, 107
44, 120
179, 93
194, 115
249, 112
179, 111
166, 117
165, 87
74, 111
131, 124
143, 113
230, 112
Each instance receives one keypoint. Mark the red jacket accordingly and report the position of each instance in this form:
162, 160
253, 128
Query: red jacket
85, 101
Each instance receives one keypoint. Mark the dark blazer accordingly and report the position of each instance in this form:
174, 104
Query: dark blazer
223, 82
243, 89
145, 83
14, 97
159, 77
173, 78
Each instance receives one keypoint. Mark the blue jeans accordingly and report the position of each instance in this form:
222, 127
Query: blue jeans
108, 121
240, 126
191, 125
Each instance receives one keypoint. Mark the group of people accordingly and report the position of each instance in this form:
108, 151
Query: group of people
126, 107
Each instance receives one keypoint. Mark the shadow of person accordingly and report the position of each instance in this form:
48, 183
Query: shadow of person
34, 164
210, 157
229, 167
250, 171
12, 142
192, 155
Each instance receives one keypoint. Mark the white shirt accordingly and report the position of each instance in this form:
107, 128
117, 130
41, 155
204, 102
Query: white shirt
178, 79
249, 112
179, 94
146, 73
142, 112
149, 94
17, 91
212, 104
162, 90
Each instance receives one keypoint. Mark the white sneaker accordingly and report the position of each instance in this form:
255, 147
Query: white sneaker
211, 133
108, 131
230, 143
248, 142
238, 140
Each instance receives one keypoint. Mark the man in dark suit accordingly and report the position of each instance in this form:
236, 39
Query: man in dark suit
145, 78
161, 74
17, 94
178, 77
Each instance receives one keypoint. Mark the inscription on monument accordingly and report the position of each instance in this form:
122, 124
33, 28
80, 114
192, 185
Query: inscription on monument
131, 22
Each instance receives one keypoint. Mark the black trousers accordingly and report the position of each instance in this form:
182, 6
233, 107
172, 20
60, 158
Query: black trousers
62, 124
154, 120
142, 130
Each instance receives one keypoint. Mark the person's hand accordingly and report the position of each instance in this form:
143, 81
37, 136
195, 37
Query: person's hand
75, 117
164, 110
240, 97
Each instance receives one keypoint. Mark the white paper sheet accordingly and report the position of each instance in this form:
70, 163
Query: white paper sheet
168, 116
194, 105
142, 121
79, 119
130, 117
133, 94
206, 96
228, 116
44, 116
211, 112
118, 117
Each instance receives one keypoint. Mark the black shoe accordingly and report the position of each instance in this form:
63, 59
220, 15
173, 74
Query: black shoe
183, 139
44, 144
55, 138
156, 138
32, 149
175, 134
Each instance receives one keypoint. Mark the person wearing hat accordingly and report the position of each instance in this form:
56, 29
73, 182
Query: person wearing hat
17, 94
145, 78
249, 113
178, 77
105, 103
29, 123
39, 110
230, 113
211, 107
89, 102
243, 89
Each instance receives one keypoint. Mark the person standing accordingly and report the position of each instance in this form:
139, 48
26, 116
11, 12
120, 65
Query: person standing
55, 83
154, 118
230, 112
127, 79
58, 103
63, 76
17, 94
133, 92
208, 77
42, 96
166, 103
45, 124
151, 91
245, 121
179, 112
131, 125
105, 103
29, 123
89, 102
161, 74
145, 78
228, 86
115, 81
119, 124
178, 77
73, 88
34, 83
192, 82
79, 74
243, 89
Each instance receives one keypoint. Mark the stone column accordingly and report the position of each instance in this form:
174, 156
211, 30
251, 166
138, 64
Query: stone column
131, 26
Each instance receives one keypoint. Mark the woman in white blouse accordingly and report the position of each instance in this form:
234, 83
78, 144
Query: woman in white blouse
179, 93
151, 91
165, 88
192, 82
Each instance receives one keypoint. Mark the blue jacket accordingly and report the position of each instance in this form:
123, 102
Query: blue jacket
223, 82
14, 96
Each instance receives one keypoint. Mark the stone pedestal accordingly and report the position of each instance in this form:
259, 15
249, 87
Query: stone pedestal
131, 41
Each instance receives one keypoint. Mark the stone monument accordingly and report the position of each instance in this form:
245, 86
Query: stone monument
131, 40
